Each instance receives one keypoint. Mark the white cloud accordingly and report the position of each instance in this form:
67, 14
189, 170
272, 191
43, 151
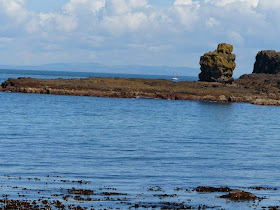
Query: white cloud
13, 10
110, 30
120, 16
222, 3
269, 5
212, 22
185, 12
138, 3
117, 25
51, 22
65, 23
183, 2
116, 7
78, 6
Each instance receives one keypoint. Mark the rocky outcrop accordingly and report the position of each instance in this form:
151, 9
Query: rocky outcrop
261, 89
239, 195
234, 195
212, 189
268, 62
218, 66
262, 83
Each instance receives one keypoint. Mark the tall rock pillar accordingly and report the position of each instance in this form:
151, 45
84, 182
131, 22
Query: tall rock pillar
218, 66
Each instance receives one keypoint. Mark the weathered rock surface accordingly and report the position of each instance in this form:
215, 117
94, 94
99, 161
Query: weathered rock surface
218, 66
260, 89
239, 195
268, 62
262, 83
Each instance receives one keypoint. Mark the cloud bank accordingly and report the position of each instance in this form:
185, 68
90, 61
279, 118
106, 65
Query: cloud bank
137, 32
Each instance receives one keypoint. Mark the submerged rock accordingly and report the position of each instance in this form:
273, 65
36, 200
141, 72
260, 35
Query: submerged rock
218, 66
212, 189
268, 62
239, 195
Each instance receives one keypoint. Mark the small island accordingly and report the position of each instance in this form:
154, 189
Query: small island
262, 87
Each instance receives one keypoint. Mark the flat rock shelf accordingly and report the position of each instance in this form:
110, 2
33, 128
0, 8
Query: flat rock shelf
259, 89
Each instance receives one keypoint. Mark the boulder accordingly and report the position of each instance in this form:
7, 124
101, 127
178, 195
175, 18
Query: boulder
218, 66
268, 62
239, 195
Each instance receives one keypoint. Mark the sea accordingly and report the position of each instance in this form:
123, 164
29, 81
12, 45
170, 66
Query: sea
142, 149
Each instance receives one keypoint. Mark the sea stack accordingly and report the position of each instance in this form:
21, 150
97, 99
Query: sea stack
267, 62
218, 66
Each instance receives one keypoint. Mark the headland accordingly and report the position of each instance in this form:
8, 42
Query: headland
216, 83
260, 89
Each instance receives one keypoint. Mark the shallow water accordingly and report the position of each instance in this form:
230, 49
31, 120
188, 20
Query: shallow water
134, 144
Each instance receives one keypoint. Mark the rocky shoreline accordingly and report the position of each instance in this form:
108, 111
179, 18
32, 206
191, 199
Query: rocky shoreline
54, 192
259, 89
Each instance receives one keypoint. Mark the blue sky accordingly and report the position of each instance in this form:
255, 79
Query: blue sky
145, 32
45, 5
55, 5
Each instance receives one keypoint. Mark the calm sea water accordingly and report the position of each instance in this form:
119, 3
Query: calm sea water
9, 73
133, 144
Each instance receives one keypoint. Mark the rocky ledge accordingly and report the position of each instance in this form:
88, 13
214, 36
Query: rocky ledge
260, 89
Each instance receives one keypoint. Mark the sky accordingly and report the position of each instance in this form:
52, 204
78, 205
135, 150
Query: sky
143, 32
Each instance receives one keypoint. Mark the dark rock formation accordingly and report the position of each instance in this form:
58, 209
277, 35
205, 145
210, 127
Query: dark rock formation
265, 83
239, 195
261, 188
268, 62
212, 189
261, 89
218, 66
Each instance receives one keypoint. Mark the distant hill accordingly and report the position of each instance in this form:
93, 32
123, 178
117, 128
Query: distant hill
100, 68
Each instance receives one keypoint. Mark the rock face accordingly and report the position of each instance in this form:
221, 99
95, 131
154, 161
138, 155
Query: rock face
268, 62
218, 66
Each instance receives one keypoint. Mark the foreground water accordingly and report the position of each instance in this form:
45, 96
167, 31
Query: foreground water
135, 144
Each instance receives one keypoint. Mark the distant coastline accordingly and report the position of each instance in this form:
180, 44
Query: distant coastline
102, 68
259, 89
